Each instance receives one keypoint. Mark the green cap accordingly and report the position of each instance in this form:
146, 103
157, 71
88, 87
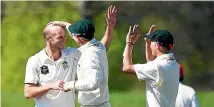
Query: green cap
163, 37
84, 28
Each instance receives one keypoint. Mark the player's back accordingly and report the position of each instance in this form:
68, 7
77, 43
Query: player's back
166, 86
169, 74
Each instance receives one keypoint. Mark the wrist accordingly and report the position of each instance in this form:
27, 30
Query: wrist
71, 85
50, 86
110, 27
129, 43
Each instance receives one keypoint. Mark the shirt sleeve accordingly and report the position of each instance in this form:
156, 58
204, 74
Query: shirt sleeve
146, 71
92, 68
31, 75
194, 101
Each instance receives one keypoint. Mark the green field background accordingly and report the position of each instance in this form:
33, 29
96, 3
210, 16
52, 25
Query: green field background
191, 24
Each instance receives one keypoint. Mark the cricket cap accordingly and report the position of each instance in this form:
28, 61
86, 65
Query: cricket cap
163, 37
84, 28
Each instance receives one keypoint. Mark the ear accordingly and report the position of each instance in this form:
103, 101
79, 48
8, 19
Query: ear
78, 37
48, 39
157, 45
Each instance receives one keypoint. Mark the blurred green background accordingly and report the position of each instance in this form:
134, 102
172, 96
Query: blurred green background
191, 24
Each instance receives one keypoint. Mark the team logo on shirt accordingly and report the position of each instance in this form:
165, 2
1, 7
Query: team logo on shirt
44, 69
65, 65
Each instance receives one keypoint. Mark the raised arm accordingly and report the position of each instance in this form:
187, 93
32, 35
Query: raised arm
131, 39
148, 50
111, 21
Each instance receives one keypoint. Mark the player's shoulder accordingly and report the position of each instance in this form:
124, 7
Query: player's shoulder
98, 47
187, 89
34, 59
69, 50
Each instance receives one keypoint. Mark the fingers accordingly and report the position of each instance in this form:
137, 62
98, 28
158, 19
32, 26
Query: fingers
136, 30
111, 8
152, 28
109, 12
106, 17
130, 30
61, 84
114, 10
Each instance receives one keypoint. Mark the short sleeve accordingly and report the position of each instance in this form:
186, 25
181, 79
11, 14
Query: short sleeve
31, 75
146, 71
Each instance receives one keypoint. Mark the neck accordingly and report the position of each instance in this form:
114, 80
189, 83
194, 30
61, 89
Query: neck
53, 54
161, 53
83, 42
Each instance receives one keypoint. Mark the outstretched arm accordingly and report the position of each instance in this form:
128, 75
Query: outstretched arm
148, 50
32, 90
131, 39
111, 21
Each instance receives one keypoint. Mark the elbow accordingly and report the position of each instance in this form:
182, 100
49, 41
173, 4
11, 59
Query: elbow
27, 95
126, 68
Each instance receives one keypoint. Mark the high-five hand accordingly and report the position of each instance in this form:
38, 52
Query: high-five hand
111, 16
152, 28
133, 34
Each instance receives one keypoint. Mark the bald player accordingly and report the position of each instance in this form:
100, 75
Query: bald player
47, 70
161, 72
186, 95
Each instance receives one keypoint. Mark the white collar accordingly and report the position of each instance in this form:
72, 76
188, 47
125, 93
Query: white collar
44, 57
166, 56
89, 43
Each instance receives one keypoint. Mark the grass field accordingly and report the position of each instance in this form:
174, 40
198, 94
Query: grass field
118, 99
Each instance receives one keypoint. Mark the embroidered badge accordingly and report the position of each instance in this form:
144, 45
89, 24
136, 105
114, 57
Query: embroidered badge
44, 69
65, 65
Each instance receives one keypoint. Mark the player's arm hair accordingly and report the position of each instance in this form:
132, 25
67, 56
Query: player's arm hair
127, 66
107, 38
32, 90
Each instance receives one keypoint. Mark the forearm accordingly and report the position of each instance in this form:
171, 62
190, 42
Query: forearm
127, 59
107, 38
86, 85
148, 51
36, 91
82, 85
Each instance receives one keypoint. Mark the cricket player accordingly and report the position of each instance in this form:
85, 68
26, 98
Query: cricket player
92, 69
161, 71
186, 95
49, 69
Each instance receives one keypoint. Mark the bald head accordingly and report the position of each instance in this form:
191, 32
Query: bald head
50, 30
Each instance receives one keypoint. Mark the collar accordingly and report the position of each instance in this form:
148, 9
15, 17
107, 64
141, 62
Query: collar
44, 57
88, 44
168, 56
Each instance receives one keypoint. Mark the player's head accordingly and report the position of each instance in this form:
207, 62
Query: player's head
161, 41
181, 78
82, 31
54, 37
